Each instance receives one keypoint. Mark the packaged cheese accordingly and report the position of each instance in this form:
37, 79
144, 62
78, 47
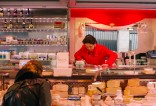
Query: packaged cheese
75, 90
148, 71
60, 87
150, 85
62, 94
137, 90
113, 83
112, 90
134, 82
82, 90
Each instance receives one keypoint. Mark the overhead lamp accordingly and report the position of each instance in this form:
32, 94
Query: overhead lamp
112, 24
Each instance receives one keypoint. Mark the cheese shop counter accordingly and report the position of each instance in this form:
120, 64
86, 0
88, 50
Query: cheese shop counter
90, 73
131, 83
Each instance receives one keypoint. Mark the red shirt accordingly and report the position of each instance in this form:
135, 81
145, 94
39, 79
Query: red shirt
97, 56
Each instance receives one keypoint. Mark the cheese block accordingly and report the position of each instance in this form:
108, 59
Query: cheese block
100, 85
126, 92
75, 90
148, 71
112, 90
113, 83
62, 94
60, 87
138, 90
134, 82
150, 85
82, 90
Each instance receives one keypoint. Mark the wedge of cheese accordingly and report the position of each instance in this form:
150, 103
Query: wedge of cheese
100, 85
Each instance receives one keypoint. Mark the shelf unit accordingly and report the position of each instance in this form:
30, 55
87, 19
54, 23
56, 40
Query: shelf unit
49, 33
35, 45
33, 30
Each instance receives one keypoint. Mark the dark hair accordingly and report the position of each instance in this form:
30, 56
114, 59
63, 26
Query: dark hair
33, 66
33, 69
89, 39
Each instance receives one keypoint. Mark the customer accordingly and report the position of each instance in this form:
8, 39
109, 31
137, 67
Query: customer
29, 89
93, 53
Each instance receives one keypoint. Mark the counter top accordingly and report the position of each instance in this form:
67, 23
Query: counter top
83, 74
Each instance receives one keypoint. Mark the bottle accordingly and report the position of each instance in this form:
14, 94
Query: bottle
28, 13
0, 54
31, 24
15, 13
21, 13
16, 24
1, 13
9, 25
5, 24
8, 13
23, 24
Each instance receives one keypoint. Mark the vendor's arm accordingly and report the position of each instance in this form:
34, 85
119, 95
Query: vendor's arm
79, 54
112, 56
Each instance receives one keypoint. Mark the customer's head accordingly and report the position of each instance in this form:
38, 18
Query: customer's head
33, 66
89, 41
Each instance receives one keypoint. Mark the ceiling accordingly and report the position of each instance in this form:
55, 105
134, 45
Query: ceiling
113, 4
34, 3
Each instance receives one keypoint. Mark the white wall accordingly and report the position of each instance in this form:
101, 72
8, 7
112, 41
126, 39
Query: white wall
146, 38
123, 41
153, 27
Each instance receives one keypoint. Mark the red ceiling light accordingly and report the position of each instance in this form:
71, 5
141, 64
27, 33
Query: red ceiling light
119, 17
112, 24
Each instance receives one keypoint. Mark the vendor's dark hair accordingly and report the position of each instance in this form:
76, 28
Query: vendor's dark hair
89, 39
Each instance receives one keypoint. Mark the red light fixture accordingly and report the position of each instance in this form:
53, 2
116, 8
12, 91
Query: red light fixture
119, 17
111, 24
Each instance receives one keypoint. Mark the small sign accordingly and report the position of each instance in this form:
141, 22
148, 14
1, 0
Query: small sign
62, 59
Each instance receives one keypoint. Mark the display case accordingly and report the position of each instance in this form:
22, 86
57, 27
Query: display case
81, 82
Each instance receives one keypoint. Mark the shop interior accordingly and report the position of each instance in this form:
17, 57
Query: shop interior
52, 30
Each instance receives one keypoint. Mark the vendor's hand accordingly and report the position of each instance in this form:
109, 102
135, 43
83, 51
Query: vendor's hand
114, 65
84, 61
